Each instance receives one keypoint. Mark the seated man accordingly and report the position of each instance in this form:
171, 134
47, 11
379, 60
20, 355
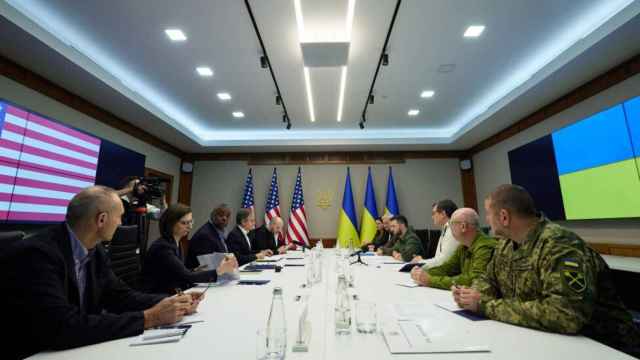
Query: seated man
210, 237
240, 243
468, 262
266, 237
60, 291
407, 244
441, 213
546, 277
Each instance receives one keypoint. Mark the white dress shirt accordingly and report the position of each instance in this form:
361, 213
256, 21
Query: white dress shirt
447, 245
246, 236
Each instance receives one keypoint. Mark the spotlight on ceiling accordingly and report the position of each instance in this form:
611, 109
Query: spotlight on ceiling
278, 100
371, 100
288, 126
385, 59
264, 63
361, 124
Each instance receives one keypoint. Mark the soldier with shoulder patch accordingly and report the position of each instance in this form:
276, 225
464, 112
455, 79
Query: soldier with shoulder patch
546, 277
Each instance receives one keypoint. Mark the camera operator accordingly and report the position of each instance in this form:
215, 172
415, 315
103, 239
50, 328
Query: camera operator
136, 197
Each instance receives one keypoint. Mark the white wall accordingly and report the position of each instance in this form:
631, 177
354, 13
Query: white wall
156, 158
492, 165
419, 183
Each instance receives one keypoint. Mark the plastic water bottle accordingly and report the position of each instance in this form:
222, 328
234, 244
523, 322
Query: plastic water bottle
276, 332
343, 308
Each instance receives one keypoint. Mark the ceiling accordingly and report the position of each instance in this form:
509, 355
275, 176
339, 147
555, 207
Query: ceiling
116, 55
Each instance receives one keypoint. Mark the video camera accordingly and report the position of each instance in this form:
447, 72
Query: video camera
152, 190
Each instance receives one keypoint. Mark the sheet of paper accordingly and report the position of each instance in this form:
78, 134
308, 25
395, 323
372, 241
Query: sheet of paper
411, 337
409, 284
211, 261
411, 311
449, 306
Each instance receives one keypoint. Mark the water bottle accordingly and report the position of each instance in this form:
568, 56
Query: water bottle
343, 308
317, 265
276, 332
309, 266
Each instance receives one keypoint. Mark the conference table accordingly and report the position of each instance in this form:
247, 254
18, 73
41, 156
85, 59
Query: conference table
233, 313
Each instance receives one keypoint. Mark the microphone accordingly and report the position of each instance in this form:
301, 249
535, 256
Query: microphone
357, 252
299, 243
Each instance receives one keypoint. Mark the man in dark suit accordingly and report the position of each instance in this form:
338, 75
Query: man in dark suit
266, 237
239, 241
59, 289
210, 237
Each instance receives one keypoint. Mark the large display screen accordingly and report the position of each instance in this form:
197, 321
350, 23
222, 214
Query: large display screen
588, 170
44, 163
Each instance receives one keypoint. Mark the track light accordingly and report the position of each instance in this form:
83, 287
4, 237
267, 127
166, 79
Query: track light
285, 118
264, 63
288, 126
385, 59
370, 98
361, 124
278, 100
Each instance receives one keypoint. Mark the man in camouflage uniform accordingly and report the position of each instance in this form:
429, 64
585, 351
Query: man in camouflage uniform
407, 243
469, 260
545, 277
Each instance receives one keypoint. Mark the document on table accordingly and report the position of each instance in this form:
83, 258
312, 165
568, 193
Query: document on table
409, 283
211, 261
161, 335
412, 337
273, 258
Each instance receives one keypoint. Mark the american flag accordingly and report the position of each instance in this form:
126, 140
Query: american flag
272, 208
247, 199
298, 230
43, 164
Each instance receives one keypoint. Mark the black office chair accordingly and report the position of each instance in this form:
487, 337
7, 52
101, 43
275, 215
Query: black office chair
8, 239
124, 253
423, 235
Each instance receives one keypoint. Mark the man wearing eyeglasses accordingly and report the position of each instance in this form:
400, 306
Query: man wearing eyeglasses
468, 262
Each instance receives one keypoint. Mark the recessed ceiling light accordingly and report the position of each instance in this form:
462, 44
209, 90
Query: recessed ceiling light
237, 114
224, 96
204, 71
474, 31
175, 35
427, 94
413, 112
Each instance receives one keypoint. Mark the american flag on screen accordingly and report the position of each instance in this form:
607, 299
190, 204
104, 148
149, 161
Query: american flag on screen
298, 232
247, 199
43, 164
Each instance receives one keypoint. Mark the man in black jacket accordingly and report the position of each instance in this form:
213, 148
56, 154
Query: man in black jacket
59, 289
239, 241
266, 237
210, 237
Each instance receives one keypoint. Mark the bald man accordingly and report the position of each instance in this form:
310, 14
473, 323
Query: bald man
266, 237
469, 260
59, 290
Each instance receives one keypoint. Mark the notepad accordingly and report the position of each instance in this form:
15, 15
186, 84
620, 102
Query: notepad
161, 335
253, 282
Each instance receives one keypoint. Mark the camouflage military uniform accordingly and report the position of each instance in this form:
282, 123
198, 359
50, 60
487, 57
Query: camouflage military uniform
555, 282
409, 245
466, 264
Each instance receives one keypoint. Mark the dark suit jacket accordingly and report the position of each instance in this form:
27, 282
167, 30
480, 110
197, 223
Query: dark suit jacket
204, 241
164, 270
379, 240
263, 239
238, 246
41, 298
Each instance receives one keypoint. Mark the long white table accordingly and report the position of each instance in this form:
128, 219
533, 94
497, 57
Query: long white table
624, 263
233, 313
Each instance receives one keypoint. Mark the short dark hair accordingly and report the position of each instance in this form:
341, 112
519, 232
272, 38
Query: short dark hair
242, 214
220, 209
446, 205
401, 219
513, 198
170, 217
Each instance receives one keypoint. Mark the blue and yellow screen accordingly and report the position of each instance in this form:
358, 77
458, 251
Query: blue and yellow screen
595, 163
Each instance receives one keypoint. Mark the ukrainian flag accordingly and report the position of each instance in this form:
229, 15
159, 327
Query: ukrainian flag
369, 213
347, 224
391, 206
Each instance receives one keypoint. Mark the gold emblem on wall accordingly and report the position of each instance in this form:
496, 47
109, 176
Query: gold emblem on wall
323, 199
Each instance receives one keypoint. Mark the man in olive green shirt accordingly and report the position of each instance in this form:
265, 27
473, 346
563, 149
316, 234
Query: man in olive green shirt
467, 262
407, 244
546, 277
